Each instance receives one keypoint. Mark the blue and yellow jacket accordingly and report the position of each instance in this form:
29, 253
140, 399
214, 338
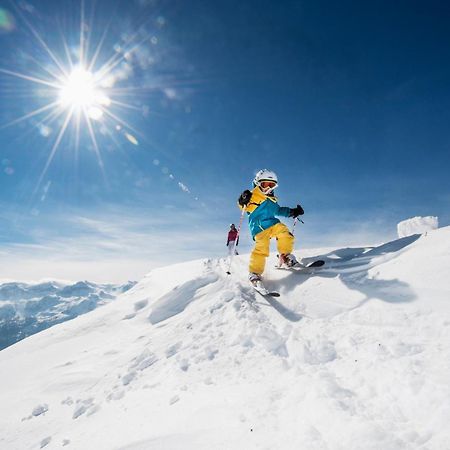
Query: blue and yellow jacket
262, 210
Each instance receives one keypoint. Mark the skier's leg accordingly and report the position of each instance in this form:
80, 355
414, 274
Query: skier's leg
285, 240
260, 252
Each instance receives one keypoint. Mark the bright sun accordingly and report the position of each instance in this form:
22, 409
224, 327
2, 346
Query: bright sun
80, 91
81, 86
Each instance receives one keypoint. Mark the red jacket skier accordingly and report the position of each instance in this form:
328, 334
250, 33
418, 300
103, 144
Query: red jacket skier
232, 236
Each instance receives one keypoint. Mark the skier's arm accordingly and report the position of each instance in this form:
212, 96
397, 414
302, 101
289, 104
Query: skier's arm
283, 211
290, 212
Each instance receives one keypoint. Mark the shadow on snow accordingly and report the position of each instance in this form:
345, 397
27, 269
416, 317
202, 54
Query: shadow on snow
352, 266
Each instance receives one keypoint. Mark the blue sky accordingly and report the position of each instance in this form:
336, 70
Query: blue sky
347, 101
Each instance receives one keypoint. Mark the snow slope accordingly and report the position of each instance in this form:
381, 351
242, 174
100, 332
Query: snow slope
354, 356
27, 308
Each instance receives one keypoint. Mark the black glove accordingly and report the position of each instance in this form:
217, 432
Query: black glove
295, 212
244, 198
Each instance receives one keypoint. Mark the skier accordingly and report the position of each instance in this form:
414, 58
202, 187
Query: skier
231, 240
262, 207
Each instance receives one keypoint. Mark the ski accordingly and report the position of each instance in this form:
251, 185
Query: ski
316, 263
299, 267
261, 289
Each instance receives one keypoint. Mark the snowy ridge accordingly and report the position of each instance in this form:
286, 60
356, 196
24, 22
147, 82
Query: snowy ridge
356, 355
27, 308
417, 225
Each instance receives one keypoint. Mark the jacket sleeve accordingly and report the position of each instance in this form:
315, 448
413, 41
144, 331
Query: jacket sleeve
283, 211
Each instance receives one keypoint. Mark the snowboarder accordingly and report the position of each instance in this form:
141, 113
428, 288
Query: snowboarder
233, 239
261, 206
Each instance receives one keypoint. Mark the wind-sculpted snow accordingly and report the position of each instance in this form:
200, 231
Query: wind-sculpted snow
417, 225
352, 356
176, 301
26, 309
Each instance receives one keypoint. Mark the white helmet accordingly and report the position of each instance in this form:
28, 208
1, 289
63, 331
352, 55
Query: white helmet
268, 176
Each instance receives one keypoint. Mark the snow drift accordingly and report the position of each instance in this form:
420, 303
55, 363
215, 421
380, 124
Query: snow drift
417, 225
353, 356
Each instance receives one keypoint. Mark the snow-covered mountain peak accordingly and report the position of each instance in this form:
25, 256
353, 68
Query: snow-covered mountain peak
27, 308
355, 355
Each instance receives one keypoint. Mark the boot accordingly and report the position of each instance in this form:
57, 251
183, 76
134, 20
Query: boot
254, 277
288, 260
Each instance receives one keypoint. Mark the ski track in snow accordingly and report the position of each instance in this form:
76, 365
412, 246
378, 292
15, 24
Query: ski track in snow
354, 355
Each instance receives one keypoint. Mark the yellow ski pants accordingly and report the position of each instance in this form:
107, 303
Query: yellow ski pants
285, 244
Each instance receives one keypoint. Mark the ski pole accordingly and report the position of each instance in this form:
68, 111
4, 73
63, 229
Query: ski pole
295, 223
237, 237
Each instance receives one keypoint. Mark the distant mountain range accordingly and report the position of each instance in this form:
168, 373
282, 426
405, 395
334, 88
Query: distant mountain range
26, 309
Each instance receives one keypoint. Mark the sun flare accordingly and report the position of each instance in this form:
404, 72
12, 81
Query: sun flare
86, 87
80, 91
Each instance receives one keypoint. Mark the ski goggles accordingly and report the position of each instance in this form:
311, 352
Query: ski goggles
268, 184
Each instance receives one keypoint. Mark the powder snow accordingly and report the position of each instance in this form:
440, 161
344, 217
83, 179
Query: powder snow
353, 356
